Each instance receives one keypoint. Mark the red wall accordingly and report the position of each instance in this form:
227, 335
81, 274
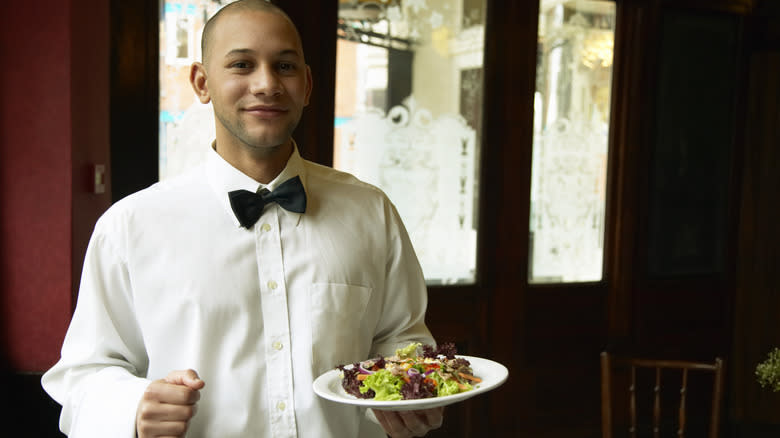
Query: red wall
53, 124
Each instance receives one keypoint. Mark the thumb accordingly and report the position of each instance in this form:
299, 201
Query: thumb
187, 378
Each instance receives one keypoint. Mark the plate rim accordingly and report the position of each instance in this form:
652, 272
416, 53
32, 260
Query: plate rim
325, 379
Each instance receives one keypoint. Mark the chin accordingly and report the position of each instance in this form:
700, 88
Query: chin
266, 143
268, 139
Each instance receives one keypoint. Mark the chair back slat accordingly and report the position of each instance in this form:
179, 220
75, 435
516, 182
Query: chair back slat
611, 363
717, 394
683, 393
606, 390
632, 392
657, 404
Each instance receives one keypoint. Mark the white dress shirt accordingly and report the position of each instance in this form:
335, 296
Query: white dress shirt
171, 282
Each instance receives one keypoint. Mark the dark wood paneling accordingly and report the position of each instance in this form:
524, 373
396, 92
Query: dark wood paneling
510, 75
628, 151
134, 117
757, 302
317, 23
693, 138
681, 302
647, 311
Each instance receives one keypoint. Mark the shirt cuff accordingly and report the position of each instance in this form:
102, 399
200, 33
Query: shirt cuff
371, 416
108, 406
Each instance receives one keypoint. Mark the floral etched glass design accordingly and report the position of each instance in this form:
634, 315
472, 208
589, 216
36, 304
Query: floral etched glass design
571, 128
408, 119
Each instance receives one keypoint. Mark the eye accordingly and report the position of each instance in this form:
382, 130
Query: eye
286, 67
241, 65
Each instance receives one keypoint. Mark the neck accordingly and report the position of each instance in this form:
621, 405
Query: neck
262, 165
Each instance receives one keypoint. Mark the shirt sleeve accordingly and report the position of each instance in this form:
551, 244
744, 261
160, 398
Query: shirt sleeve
98, 377
405, 296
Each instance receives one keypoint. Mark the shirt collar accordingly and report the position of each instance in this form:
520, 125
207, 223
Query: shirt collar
224, 178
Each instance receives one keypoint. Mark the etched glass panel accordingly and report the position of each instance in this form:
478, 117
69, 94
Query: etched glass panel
185, 124
571, 128
408, 119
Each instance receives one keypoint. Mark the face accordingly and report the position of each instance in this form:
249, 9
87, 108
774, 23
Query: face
255, 76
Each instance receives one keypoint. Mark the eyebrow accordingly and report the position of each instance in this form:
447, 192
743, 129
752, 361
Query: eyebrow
285, 52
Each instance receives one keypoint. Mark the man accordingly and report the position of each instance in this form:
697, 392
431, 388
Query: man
210, 302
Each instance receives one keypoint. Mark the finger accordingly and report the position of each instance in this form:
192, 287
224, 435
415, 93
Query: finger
432, 417
410, 423
163, 392
172, 429
158, 412
414, 422
391, 423
187, 378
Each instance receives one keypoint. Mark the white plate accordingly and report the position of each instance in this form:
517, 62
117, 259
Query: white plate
493, 374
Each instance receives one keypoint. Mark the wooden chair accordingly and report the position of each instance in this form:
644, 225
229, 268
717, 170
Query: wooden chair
612, 365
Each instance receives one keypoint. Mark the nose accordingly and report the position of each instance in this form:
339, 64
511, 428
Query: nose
263, 81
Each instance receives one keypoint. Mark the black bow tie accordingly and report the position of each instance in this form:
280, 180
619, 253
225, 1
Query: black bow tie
248, 206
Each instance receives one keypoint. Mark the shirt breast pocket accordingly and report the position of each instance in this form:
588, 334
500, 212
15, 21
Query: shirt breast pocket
339, 333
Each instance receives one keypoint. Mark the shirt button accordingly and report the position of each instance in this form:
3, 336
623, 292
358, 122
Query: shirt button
281, 406
266, 227
277, 345
272, 285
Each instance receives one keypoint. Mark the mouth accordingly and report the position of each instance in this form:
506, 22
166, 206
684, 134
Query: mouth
266, 111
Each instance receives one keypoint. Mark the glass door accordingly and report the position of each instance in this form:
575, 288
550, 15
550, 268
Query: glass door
571, 132
408, 119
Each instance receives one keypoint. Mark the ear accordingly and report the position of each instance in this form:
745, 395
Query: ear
309, 85
199, 83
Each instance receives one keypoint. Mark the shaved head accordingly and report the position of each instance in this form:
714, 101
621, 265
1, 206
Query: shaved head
238, 7
256, 79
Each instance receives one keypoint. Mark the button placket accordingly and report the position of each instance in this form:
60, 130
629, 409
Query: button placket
275, 316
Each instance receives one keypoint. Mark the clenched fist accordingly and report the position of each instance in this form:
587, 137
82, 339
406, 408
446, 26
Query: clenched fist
168, 405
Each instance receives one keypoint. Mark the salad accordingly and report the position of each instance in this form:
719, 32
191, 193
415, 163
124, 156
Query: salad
408, 375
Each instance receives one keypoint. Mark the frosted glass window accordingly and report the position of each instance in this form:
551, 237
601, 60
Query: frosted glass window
185, 125
571, 128
408, 119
